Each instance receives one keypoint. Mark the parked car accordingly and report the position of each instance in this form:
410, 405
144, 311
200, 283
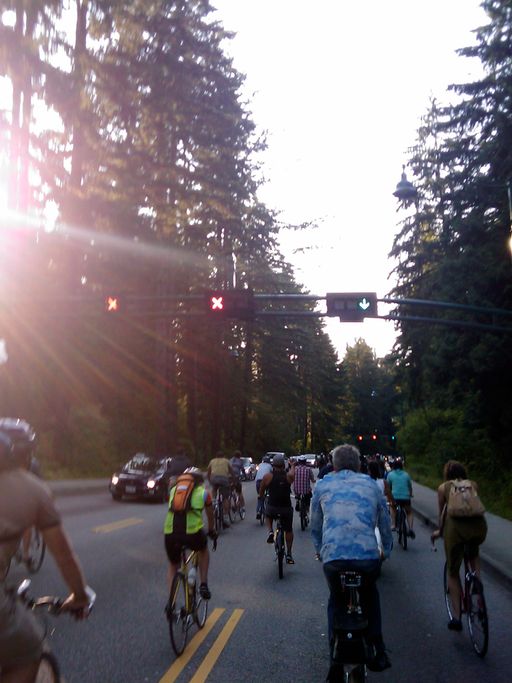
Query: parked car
144, 476
249, 468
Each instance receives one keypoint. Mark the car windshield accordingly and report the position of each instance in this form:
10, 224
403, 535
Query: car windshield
246, 462
143, 463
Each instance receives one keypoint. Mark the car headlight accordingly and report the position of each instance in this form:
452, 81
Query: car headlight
115, 479
151, 483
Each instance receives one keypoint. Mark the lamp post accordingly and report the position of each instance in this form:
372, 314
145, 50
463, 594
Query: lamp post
406, 192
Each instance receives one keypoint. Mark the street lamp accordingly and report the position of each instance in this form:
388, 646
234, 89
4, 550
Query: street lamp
406, 192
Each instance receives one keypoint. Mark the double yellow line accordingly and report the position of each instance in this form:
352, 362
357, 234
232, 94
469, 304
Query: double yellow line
213, 653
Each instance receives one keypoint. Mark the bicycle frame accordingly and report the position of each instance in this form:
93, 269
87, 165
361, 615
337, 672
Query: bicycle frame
279, 546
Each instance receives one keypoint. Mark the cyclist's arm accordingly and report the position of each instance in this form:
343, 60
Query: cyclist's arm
264, 483
290, 475
209, 515
59, 545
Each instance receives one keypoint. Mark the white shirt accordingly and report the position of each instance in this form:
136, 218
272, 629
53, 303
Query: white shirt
263, 469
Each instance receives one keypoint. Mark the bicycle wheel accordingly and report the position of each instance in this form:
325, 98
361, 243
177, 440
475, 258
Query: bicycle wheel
280, 552
478, 623
262, 516
178, 615
48, 671
241, 510
357, 675
36, 552
218, 515
402, 528
303, 514
201, 609
231, 508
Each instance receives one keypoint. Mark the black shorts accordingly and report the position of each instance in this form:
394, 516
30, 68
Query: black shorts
286, 515
175, 542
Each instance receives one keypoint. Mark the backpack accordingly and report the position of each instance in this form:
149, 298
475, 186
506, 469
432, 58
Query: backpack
463, 500
185, 485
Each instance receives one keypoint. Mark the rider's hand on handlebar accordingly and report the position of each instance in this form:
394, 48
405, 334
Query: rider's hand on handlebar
79, 606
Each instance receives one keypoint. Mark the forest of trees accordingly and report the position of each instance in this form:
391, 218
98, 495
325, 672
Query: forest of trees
455, 247
151, 164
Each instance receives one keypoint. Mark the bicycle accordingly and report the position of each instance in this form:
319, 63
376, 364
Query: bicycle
350, 650
185, 605
235, 507
261, 508
49, 670
279, 546
218, 511
401, 525
303, 507
472, 605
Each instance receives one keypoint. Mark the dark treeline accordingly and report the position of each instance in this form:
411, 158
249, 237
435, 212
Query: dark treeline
152, 170
455, 382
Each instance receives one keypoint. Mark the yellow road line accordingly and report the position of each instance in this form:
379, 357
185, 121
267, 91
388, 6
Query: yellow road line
181, 662
217, 647
114, 526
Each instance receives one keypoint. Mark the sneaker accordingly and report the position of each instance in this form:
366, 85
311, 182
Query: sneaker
289, 559
379, 663
204, 591
411, 534
455, 625
270, 537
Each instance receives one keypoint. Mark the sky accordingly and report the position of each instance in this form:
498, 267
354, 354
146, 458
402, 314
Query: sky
339, 88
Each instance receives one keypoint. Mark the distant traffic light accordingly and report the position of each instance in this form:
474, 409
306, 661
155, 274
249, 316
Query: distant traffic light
230, 303
113, 303
360, 437
374, 437
352, 307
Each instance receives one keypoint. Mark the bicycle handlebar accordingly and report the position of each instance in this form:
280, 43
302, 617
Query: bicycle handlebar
53, 603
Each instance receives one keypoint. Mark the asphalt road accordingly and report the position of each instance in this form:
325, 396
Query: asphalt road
266, 629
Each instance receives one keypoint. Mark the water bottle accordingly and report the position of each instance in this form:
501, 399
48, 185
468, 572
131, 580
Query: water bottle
192, 576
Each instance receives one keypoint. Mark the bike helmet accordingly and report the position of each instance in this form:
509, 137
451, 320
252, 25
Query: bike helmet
20, 434
302, 459
193, 470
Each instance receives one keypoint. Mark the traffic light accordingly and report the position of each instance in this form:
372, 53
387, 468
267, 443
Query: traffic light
352, 307
113, 303
360, 437
230, 303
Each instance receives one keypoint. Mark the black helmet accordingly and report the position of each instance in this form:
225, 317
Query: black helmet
20, 435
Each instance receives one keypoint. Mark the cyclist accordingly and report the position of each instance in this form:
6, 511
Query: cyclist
400, 485
219, 475
345, 509
264, 468
278, 482
185, 530
25, 501
303, 479
458, 532
237, 465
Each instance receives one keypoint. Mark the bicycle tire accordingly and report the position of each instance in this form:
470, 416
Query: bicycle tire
48, 671
280, 552
218, 516
178, 616
402, 529
241, 510
200, 610
262, 515
478, 624
357, 675
36, 551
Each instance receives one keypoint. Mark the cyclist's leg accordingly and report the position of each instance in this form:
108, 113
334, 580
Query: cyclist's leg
269, 521
454, 550
410, 518
20, 642
477, 537
173, 547
287, 522
240, 494
393, 515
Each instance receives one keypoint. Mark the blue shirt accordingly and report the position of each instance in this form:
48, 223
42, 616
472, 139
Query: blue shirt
345, 509
400, 484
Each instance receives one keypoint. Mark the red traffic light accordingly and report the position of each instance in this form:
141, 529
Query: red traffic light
374, 437
360, 438
112, 304
230, 303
